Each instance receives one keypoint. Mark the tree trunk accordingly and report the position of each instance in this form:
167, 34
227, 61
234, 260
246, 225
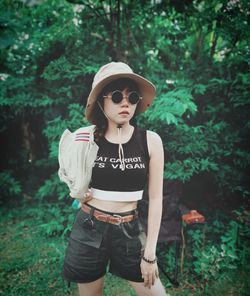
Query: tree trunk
118, 33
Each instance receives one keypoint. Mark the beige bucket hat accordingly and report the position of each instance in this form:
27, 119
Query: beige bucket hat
113, 71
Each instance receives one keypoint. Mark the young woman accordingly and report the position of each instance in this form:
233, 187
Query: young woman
106, 232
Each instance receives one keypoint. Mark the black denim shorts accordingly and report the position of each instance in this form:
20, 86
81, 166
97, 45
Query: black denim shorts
92, 251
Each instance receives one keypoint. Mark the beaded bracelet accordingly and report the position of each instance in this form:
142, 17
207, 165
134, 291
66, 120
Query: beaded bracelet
149, 261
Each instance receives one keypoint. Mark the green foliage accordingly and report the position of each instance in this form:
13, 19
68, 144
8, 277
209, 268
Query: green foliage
55, 127
197, 55
218, 249
214, 261
214, 258
53, 187
9, 186
31, 244
197, 63
170, 106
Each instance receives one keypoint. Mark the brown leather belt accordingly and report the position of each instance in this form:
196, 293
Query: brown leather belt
113, 219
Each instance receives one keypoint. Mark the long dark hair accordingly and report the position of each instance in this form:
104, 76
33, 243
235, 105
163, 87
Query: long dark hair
99, 118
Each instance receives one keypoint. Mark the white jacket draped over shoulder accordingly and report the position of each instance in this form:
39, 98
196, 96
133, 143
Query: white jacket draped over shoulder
77, 153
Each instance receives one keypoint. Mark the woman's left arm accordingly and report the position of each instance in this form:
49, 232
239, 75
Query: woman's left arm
155, 191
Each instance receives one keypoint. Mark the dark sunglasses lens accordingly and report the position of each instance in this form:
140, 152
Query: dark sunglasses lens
134, 97
117, 97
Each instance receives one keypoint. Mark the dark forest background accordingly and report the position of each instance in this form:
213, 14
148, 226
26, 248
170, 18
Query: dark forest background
197, 53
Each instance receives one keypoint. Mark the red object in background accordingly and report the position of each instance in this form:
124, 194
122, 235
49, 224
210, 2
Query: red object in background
193, 217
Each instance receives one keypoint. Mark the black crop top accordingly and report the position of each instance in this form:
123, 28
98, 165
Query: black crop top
109, 182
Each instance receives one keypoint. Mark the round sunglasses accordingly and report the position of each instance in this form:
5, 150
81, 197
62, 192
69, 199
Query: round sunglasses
117, 96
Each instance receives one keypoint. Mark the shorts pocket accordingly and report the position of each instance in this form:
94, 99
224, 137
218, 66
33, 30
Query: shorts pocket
134, 248
131, 229
136, 238
90, 237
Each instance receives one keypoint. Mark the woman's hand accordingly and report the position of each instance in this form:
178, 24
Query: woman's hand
87, 197
149, 273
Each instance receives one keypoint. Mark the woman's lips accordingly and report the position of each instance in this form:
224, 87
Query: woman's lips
124, 113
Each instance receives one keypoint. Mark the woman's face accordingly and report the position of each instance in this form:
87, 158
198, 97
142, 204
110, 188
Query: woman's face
122, 112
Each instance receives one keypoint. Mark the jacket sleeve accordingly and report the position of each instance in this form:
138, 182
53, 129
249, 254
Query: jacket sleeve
76, 160
66, 158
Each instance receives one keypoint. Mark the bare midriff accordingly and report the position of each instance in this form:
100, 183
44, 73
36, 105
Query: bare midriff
113, 206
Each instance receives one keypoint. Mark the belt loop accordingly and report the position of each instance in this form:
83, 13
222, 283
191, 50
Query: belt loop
136, 214
91, 212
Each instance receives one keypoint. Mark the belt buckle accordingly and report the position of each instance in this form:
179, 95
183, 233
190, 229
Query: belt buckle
117, 216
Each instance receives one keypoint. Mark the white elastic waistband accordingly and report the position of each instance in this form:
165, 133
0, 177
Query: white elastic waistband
116, 195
